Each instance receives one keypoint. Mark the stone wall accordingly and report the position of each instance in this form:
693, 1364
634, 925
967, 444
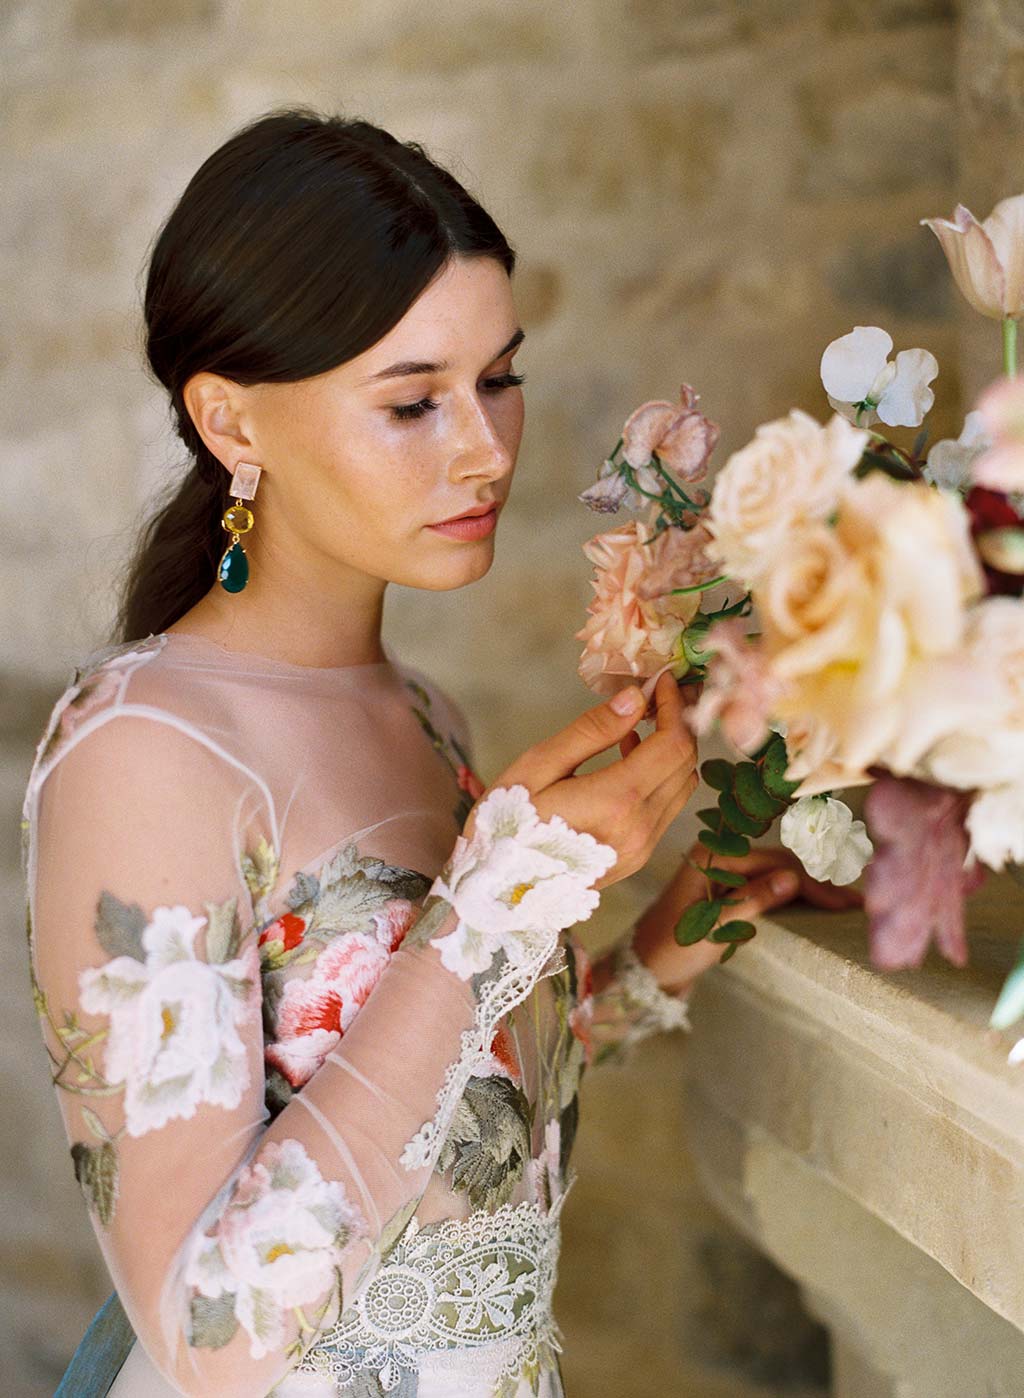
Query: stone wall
700, 190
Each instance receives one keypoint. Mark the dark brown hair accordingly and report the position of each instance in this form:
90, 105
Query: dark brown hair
297, 244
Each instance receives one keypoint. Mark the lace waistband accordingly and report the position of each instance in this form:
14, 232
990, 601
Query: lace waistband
455, 1284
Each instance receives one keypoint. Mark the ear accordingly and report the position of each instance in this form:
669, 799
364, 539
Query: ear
217, 407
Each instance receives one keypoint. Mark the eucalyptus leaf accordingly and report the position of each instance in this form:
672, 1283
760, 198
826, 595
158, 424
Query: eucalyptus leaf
717, 773
119, 927
697, 921
749, 791
727, 876
737, 820
773, 769
724, 842
734, 931
710, 816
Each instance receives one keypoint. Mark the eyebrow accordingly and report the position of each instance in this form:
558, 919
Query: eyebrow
423, 366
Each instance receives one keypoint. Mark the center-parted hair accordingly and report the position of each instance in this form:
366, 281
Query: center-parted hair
297, 245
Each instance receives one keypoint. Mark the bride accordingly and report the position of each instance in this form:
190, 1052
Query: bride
314, 1007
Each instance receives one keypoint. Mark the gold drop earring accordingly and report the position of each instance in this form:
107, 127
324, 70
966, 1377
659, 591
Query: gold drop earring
233, 570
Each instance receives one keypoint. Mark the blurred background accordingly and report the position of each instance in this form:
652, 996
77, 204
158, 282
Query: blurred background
698, 190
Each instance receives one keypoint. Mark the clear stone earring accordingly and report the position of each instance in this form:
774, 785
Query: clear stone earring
238, 519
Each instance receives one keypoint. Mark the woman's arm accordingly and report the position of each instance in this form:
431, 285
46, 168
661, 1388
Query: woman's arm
233, 1242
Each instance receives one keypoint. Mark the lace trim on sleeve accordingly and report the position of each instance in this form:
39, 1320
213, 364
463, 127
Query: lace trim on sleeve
513, 888
632, 1005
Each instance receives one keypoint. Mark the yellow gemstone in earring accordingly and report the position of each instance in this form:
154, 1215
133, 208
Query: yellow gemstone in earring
238, 519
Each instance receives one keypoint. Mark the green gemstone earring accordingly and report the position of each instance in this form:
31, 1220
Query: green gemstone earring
233, 570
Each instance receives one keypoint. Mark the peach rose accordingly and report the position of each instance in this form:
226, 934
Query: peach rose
792, 471
630, 636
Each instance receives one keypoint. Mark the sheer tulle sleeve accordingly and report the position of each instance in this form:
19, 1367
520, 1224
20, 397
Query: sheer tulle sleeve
235, 1239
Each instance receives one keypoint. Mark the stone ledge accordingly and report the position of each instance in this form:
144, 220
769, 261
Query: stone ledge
889, 1086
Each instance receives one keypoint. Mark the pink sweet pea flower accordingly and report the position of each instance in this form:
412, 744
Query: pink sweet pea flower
1001, 406
681, 435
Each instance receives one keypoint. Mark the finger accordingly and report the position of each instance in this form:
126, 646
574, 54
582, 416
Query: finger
766, 891
673, 802
594, 731
629, 742
671, 746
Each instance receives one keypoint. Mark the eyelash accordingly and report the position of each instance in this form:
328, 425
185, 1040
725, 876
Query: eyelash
403, 412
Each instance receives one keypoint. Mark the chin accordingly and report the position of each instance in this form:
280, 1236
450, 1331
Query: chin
467, 565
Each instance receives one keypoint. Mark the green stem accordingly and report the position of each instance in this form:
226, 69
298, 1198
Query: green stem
1009, 346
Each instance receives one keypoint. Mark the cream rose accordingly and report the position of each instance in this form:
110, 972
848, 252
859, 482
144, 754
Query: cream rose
853, 615
792, 470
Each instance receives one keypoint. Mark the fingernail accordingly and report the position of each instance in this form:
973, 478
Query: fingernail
627, 700
784, 882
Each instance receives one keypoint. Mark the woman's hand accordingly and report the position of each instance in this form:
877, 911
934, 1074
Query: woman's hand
630, 803
774, 877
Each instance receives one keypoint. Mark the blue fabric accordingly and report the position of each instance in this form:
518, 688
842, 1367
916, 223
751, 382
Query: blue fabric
101, 1352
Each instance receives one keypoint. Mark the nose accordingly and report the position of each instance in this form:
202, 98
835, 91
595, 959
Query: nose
478, 448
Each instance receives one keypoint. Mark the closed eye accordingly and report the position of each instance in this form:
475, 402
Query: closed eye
404, 411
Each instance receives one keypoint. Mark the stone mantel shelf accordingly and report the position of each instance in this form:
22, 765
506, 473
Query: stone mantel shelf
828, 1100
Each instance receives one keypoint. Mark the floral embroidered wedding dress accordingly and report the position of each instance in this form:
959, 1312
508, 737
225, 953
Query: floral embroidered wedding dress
317, 1054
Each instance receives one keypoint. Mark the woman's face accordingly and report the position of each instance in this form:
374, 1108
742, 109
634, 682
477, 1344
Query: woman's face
360, 462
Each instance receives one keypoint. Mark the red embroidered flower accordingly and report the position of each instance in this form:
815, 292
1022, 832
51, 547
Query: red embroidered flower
503, 1061
288, 928
470, 782
393, 921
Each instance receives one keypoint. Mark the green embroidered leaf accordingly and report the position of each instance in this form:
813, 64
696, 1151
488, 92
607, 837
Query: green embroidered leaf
750, 793
427, 924
697, 921
119, 927
304, 889
717, 773
489, 1141
396, 1226
735, 931
260, 869
737, 820
95, 1125
96, 1171
213, 1320
726, 876
223, 931
724, 842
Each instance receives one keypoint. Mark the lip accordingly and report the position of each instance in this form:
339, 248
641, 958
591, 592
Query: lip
473, 524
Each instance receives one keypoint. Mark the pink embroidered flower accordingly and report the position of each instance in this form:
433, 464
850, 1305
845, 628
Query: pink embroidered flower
314, 1012
681, 435
629, 636
393, 921
470, 782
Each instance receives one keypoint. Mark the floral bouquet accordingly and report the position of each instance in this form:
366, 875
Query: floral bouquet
887, 588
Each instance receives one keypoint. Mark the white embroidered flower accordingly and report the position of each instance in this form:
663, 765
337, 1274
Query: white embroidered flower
950, 460
173, 1038
277, 1242
518, 879
995, 823
856, 369
824, 836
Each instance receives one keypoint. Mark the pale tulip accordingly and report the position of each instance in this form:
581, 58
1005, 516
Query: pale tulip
986, 259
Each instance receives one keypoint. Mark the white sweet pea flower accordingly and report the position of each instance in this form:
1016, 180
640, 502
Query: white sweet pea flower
995, 823
855, 370
950, 460
518, 879
824, 836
